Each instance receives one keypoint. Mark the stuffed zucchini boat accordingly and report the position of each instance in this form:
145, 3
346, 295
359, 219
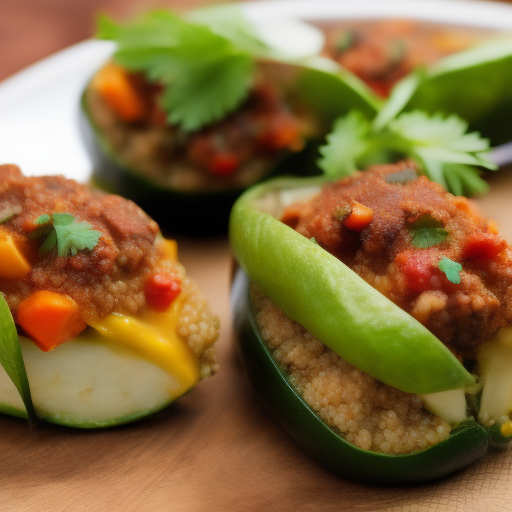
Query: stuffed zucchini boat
186, 123
434, 68
100, 324
377, 327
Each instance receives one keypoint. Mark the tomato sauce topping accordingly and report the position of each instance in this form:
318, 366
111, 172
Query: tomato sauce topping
426, 250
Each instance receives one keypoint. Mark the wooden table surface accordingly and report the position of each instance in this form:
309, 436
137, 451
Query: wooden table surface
217, 449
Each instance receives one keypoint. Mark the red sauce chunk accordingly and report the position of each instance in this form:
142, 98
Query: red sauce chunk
415, 225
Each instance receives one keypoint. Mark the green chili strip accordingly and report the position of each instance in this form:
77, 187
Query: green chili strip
333, 303
11, 358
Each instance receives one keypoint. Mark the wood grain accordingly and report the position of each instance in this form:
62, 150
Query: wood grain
216, 449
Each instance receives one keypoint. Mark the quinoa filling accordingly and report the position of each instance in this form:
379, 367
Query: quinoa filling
231, 153
369, 414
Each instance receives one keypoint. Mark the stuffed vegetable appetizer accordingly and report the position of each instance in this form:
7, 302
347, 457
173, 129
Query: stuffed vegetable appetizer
186, 122
434, 68
377, 327
110, 327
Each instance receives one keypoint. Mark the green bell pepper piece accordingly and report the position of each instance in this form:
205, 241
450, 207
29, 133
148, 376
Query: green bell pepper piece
466, 443
475, 84
333, 303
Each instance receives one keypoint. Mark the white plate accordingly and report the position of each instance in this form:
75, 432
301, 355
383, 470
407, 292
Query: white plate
39, 106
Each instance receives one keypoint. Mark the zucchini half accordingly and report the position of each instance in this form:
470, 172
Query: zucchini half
321, 86
89, 383
466, 443
267, 249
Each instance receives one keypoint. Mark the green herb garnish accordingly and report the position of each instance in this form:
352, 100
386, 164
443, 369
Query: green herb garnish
440, 146
64, 232
8, 212
451, 269
206, 66
427, 232
11, 358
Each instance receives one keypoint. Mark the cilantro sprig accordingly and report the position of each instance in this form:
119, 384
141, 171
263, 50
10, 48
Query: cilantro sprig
205, 63
451, 269
61, 230
443, 150
427, 232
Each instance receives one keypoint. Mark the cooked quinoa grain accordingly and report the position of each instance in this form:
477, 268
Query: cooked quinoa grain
369, 414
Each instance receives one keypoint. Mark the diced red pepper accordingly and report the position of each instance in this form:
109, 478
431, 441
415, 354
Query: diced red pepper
223, 164
161, 290
417, 269
483, 245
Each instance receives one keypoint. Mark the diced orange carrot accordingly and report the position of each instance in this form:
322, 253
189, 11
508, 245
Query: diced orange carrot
281, 132
50, 319
113, 85
13, 264
359, 217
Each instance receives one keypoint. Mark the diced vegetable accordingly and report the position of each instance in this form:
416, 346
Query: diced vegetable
359, 217
113, 85
282, 133
161, 290
483, 245
417, 268
223, 164
13, 264
170, 250
50, 319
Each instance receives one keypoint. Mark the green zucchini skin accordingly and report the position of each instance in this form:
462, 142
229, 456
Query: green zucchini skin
465, 445
202, 213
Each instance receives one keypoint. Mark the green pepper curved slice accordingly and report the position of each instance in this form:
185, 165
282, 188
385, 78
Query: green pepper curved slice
475, 84
332, 302
467, 442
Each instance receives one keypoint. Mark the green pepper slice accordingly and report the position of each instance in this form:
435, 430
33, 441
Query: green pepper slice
320, 86
475, 84
465, 444
332, 302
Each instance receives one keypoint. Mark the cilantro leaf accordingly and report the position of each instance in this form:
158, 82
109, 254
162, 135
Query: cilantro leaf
443, 150
451, 269
206, 71
229, 22
346, 144
427, 232
42, 219
442, 139
206, 89
68, 235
